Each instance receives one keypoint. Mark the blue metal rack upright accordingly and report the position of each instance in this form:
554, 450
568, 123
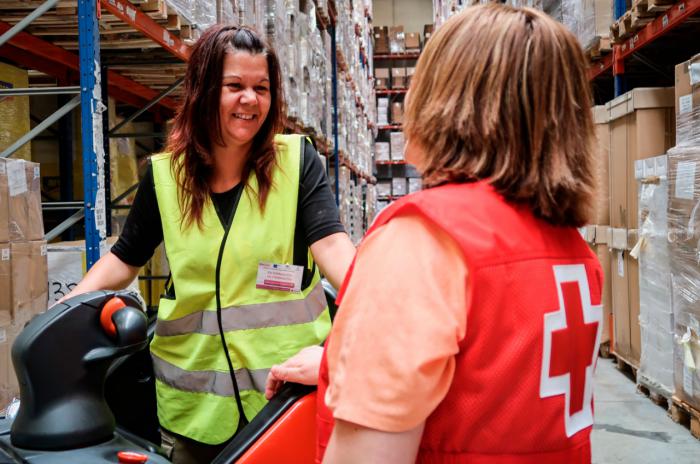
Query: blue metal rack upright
620, 7
91, 129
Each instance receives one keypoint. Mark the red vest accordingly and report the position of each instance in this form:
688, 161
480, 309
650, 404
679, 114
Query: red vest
522, 391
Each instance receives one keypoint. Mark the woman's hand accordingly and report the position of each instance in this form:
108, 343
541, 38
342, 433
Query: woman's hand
301, 368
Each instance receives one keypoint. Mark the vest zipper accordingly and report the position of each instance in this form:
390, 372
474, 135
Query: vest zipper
243, 420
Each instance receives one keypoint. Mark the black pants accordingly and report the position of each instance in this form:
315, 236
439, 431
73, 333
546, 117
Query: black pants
183, 450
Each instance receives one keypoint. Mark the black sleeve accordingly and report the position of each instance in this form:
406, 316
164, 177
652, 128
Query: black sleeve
143, 231
317, 211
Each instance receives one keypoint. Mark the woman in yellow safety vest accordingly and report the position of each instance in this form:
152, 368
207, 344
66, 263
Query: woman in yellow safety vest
228, 200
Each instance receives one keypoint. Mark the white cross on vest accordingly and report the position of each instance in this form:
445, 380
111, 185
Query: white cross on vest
571, 341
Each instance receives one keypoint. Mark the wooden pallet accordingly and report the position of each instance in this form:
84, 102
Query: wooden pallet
657, 393
59, 26
626, 367
599, 47
641, 13
686, 415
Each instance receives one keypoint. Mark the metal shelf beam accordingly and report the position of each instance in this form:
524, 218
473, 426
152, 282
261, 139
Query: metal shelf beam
137, 19
56, 61
660, 26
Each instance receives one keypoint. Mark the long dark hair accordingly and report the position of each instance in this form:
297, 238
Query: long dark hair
197, 125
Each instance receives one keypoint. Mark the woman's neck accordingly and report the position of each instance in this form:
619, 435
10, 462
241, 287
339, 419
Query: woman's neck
228, 167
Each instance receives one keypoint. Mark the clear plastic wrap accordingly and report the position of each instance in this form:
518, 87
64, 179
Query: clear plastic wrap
199, 13
20, 201
684, 245
688, 125
656, 314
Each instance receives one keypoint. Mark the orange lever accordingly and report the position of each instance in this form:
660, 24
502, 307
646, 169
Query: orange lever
111, 307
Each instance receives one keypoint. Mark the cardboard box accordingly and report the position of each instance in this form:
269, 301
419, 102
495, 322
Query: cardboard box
381, 78
601, 117
684, 243
397, 144
603, 254
14, 111
398, 186
415, 184
4, 205
641, 126
397, 113
412, 41
381, 73
382, 151
686, 375
381, 39
20, 201
383, 188
409, 76
29, 280
397, 39
427, 31
5, 285
398, 78
687, 101
655, 301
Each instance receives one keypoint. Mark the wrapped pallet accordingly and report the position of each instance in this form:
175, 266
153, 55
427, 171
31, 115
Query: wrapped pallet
655, 310
684, 238
687, 94
641, 126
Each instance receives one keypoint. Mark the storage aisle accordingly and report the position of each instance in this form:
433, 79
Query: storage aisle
630, 429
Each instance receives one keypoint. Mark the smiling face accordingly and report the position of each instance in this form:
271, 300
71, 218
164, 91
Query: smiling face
245, 98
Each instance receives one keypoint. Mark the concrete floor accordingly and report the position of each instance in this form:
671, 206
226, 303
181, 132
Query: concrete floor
630, 429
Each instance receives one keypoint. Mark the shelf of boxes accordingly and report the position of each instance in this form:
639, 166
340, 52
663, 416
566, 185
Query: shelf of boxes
394, 67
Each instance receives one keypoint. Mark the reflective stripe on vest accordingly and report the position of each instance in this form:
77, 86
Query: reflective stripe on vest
255, 316
215, 382
261, 327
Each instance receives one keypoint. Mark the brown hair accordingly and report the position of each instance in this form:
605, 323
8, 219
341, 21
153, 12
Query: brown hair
501, 95
197, 126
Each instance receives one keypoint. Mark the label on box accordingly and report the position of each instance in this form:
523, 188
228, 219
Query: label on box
687, 380
16, 178
37, 172
3, 335
685, 180
5, 254
284, 277
43, 250
694, 73
685, 104
620, 264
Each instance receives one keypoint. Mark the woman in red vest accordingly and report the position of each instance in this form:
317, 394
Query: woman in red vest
469, 324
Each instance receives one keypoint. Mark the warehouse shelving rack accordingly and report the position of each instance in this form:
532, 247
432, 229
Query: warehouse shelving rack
388, 169
96, 82
647, 57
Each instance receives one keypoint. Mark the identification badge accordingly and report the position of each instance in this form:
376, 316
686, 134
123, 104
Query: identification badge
283, 277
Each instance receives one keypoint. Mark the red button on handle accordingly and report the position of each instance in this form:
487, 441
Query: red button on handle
131, 457
111, 307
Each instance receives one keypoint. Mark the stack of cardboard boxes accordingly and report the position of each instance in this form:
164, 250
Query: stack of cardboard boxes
23, 272
653, 253
654, 231
641, 124
597, 234
684, 232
